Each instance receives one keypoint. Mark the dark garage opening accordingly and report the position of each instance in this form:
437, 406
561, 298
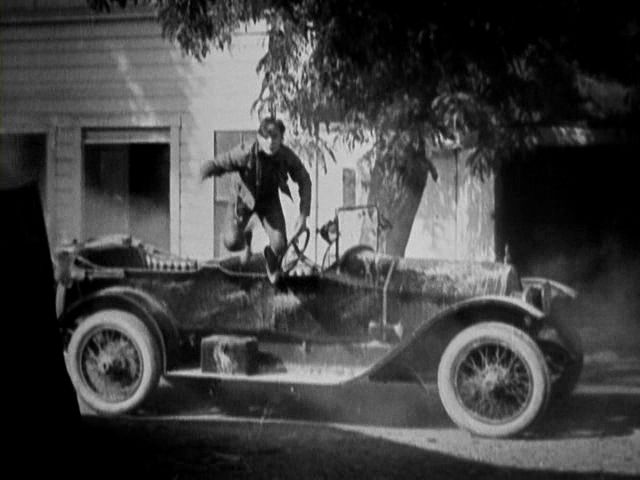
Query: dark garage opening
571, 214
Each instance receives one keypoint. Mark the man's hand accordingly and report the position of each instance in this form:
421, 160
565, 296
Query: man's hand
301, 224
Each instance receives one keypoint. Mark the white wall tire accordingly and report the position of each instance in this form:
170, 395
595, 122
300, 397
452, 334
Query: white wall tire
493, 380
113, 361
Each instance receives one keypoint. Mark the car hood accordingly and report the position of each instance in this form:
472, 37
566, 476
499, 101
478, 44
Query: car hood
457, 278
435, 278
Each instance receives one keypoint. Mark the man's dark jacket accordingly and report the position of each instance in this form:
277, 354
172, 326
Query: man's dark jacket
261, 176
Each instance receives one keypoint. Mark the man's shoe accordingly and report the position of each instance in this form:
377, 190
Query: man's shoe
273, 267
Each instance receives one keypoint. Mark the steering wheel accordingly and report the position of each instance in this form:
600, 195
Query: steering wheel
295, 250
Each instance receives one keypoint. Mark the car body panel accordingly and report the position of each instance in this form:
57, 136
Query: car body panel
371, 315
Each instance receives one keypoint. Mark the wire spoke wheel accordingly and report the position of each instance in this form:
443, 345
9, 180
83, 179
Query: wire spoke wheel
493, 380
111, 364
114, 361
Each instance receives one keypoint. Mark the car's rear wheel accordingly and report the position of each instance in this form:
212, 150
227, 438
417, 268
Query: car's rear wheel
113, 361
493, 380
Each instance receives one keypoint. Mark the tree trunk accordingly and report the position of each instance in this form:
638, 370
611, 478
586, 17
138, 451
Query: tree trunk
396, 187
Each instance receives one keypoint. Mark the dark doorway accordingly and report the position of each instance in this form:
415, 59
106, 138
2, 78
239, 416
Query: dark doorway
571, 214
565, 211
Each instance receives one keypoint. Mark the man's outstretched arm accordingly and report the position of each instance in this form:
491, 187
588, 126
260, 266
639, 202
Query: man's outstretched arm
233, 160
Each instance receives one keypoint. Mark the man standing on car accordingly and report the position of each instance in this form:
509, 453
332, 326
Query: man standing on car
263, 168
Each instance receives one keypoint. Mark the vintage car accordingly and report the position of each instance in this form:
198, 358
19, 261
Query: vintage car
496, 344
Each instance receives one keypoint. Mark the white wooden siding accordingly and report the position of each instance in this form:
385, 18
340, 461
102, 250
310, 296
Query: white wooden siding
455, 216
66, 185
119, 72
114, 72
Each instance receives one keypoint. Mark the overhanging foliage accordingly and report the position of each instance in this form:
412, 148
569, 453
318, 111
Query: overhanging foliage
474, 74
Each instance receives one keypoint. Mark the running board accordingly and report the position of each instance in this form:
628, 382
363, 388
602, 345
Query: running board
307, 375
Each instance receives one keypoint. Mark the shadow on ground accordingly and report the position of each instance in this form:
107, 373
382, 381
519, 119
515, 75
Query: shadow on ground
176, 449
397, 404
176, 437
589, 414
592, 411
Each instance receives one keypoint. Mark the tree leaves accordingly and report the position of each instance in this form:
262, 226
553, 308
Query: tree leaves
456, 75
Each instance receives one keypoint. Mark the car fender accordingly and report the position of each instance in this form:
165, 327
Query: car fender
557, 328
410, 355
557, 288
155, 315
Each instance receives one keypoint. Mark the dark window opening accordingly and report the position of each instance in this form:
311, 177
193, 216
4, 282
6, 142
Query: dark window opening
348, 187
127, 191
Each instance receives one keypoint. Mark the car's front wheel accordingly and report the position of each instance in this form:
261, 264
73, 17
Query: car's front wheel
493, 380
113, 361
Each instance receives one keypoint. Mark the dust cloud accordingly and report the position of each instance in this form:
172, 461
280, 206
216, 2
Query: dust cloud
607, 310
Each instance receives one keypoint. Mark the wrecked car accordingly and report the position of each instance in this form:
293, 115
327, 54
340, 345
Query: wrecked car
495, 344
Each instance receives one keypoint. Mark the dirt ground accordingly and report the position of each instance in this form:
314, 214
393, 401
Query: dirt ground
196, 431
